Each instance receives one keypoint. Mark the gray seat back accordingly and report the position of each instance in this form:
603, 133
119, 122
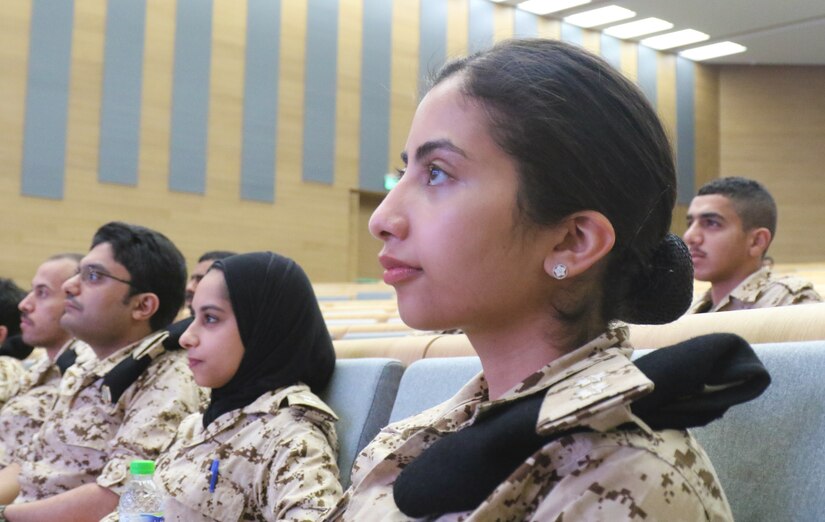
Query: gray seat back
361, 392
770, 453
428, 382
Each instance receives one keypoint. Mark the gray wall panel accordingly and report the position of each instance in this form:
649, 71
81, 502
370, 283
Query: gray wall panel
526, 24
646, 72
122, 82
685, 130
319, 91
260, 101
611, 50
481, 25
190, 96
432, 48
572, 33
375, 94
47, 99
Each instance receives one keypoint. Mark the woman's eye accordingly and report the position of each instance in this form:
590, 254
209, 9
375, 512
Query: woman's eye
210, 319
437, 176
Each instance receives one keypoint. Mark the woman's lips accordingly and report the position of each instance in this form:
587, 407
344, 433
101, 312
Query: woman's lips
396, 271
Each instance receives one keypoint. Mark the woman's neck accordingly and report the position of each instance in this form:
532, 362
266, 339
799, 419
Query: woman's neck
510, 355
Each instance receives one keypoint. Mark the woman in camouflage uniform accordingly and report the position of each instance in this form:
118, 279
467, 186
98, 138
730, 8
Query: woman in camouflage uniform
533, 211
265, 448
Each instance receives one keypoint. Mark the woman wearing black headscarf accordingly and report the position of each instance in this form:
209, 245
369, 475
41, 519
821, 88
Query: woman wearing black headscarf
265, 448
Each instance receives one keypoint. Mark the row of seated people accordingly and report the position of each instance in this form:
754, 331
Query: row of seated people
528, 223
360, 416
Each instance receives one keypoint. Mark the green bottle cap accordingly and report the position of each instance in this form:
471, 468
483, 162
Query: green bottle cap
142, 467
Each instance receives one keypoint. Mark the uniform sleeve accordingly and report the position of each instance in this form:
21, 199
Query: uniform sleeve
302, 482
166, 393
632, 484
11, 371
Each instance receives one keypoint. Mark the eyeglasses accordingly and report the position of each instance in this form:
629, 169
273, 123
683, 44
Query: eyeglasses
93, 276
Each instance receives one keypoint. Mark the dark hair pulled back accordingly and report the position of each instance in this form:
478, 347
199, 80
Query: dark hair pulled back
585, 138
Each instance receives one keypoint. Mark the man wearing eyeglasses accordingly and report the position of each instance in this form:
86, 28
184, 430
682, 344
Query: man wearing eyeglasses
128, 289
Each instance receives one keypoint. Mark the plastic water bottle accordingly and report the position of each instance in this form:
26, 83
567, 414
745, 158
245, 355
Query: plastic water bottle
142, 501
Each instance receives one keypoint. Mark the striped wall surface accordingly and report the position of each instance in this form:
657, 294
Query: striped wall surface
275, 108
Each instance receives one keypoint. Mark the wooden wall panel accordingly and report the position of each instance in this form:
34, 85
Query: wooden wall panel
458, 20
772, 129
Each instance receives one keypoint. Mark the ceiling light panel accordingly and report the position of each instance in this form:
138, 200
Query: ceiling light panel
638, 28
675, 39
543, 7
706, 52
600, 16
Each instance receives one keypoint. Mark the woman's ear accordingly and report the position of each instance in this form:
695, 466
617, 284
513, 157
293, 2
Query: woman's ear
145, 305
588, 236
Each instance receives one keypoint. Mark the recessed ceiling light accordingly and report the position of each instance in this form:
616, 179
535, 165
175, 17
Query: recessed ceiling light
543, 7
706, 52
675, 39
638, 28
600, 16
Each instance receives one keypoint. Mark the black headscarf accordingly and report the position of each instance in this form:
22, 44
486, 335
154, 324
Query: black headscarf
284, 335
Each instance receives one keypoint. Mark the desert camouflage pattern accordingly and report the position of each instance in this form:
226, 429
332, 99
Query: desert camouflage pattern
760, 290
11, 372
277, 461
607, 474
23, 414
87, 439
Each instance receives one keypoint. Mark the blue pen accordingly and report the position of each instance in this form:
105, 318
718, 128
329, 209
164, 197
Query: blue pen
213, 478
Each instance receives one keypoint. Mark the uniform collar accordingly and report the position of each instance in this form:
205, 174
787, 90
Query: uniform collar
592, 386
747, 291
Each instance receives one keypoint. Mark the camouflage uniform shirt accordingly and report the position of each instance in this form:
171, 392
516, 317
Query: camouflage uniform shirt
277, 461
604, 474
23, 414
11, 372
760, 290
87, 439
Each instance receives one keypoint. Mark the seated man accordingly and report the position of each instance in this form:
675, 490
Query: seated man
124, 404
40, 312
204, 262
11, 370
731, 223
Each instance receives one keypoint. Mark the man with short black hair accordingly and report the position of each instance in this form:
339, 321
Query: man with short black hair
124, 404
731, 223
204, 263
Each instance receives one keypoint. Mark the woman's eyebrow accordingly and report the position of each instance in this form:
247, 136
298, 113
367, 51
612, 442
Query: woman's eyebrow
428, 147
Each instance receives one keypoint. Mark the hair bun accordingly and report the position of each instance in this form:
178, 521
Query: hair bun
663, 291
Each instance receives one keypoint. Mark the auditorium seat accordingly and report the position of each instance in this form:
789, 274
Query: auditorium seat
407, 349
429, 382
361, 392
770, 453
763, 325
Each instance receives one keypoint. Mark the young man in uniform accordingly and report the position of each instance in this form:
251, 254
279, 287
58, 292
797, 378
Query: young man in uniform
40, 313
731, 223
128, 289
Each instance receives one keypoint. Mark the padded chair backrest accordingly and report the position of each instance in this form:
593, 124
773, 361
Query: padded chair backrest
759, 325
361, 392
429, 382
406, 349
770, 453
